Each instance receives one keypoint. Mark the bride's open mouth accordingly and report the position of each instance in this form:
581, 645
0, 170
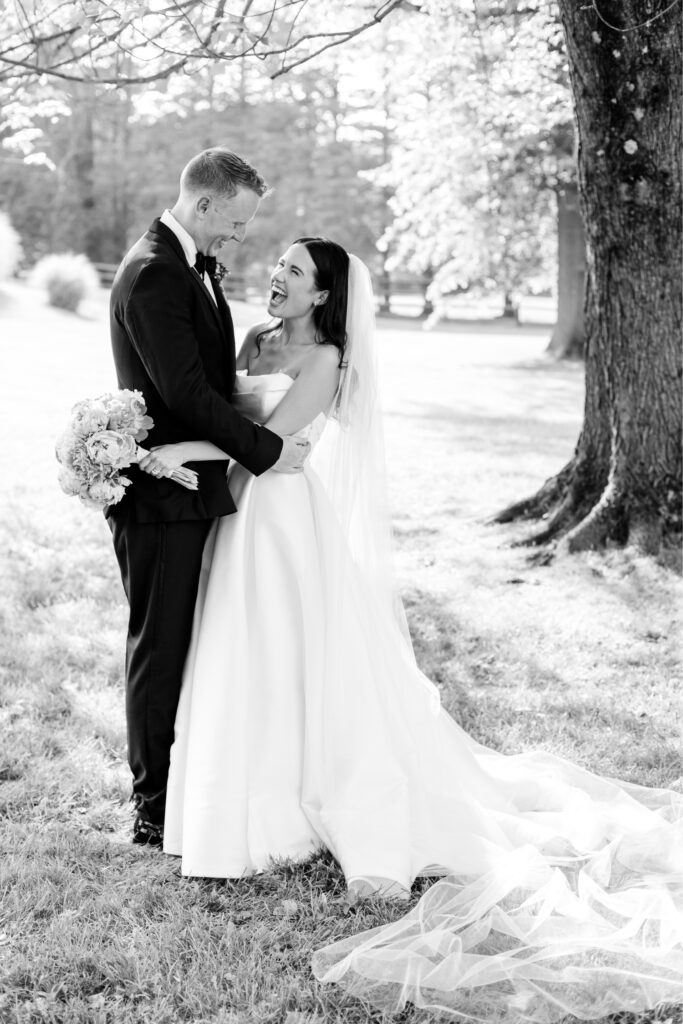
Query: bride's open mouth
277, 295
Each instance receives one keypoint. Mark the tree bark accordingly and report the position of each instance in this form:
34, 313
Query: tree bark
117, 239
623, 484
567, 341
427, 304
83, 170
510, 307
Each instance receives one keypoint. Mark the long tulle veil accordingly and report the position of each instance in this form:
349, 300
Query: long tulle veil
350, 458
579, 906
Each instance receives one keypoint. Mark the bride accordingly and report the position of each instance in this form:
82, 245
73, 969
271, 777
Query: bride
304, 721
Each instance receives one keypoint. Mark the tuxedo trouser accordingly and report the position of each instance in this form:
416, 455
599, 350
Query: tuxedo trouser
160, 565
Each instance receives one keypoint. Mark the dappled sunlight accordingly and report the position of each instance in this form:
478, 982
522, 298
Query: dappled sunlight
479, 434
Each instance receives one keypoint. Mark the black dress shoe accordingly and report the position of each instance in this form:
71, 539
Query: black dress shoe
147, 834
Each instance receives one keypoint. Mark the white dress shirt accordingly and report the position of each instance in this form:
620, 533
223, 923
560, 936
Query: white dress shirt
188, 244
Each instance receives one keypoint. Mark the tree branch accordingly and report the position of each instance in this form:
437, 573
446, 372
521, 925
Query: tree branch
379, 16
115, 80
132, 34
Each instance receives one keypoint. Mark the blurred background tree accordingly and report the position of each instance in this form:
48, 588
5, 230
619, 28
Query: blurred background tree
110, 161
481, 144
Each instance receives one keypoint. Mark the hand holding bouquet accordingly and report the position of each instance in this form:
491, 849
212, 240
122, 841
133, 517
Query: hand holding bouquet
102, 439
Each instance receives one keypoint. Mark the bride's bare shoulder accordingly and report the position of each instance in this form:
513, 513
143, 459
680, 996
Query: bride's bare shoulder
251, 344
324, 355
321, 361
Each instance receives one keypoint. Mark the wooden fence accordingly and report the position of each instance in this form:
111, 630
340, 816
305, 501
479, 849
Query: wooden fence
388, 287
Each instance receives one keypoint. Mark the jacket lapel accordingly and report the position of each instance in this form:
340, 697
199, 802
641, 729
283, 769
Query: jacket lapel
168, 237
228, 331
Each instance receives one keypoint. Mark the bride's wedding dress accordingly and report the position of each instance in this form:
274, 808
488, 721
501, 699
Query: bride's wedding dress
305, 722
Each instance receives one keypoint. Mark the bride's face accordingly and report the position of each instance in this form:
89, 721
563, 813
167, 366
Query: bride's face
293, 291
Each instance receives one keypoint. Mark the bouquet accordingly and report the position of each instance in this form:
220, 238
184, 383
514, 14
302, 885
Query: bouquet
102, 439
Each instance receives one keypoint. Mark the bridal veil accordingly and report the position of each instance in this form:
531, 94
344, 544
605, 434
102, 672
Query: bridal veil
573, 903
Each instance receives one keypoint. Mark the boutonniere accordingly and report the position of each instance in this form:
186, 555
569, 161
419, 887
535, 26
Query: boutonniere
220, 272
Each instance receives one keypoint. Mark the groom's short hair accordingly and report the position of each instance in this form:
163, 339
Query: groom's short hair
220, 172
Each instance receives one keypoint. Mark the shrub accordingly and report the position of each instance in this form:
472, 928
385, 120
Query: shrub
10, 247
67, 278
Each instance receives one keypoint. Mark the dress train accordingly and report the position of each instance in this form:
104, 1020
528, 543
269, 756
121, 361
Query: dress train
305, 722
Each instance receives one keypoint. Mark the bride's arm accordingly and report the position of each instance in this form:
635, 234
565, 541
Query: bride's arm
164, 458
311, 393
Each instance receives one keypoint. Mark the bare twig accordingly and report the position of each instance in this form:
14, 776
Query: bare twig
343, 37
76, 55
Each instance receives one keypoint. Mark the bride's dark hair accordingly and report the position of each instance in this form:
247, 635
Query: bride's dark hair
331, 275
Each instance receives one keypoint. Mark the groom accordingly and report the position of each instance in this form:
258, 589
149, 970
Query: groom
172, 338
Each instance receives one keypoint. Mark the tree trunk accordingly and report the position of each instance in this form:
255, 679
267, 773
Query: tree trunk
385, 290
567, 341
117, 236
624, 481
510, 307
427, 304
83, 170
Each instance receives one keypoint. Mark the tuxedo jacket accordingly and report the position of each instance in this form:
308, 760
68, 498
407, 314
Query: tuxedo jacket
173, 343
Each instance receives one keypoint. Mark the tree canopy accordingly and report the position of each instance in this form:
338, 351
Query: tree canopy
136, 42
438, 106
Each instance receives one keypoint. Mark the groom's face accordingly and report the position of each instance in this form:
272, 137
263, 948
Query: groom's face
221, 220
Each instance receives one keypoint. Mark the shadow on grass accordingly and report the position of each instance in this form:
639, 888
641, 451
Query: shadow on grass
627, 574
506, 435
405, 532
538, 707
499, 409
464, 665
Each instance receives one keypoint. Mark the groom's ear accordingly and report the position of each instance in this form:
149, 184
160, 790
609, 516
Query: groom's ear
201, 205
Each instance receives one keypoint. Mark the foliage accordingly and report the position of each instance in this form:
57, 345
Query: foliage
116, 161
472, 139
10, 247
77, 163
67, 279
482, 135
91, 40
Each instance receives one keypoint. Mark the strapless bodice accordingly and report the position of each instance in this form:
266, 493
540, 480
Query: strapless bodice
257, 396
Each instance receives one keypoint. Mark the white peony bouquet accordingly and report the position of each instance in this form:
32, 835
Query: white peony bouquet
102, 439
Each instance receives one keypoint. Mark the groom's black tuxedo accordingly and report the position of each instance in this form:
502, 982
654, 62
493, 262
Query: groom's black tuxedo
173, 343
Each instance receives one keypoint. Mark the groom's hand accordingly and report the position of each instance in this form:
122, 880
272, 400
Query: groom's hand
294, 453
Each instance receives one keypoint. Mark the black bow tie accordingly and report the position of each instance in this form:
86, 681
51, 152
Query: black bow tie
205, 264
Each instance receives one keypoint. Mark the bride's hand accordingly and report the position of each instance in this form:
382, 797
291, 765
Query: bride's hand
167, 460
163, 457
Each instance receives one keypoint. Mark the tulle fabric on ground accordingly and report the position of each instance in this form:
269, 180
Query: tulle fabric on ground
537, 937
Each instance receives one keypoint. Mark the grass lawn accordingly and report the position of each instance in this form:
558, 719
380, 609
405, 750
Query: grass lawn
581, 657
